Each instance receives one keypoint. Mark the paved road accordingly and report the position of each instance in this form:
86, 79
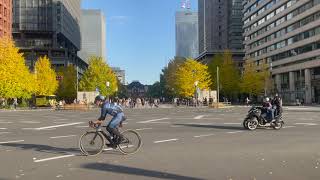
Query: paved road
181, 143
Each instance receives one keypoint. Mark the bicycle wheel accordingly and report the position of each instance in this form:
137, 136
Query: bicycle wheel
131, 142
91, 143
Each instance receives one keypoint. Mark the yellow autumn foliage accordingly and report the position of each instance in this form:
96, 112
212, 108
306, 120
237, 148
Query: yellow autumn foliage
45, 77
186, 76
15, 79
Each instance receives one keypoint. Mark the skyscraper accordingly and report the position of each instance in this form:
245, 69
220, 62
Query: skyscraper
286, 34
5, 17
48, 27
220, 28
121, 74
93, 33
187, 34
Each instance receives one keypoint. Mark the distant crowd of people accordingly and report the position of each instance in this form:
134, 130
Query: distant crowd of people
137, 102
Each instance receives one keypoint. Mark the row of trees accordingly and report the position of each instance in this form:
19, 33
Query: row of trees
16, 81
177, 79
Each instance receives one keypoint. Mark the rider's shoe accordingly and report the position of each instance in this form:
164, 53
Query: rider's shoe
112, 146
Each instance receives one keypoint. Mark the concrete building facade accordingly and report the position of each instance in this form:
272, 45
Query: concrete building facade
220, 28
5, 18
121, 74
187, 44
93, 33
286, 34
48, 28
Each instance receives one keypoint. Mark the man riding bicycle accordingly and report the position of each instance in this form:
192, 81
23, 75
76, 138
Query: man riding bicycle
118, 117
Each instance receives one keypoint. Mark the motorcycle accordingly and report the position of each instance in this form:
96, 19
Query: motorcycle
257, 117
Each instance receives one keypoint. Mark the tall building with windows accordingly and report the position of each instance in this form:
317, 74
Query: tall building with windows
93, 33
187, 34
48, 27
5, 17
286, 34
121, 74
220, 28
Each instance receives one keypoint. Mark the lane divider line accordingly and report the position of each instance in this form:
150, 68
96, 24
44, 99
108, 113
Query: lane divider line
57, 137
204, 135
3, 128
167, 140
234, 132
61, 125
4, 133
53, 158
199, 117
232, 123
153, 120
141, 129
11, 142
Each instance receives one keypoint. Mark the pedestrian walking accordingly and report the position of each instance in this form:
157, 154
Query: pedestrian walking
15, 103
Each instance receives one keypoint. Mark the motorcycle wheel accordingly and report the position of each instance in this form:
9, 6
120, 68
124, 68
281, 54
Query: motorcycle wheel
252, 124
245, 124
277, 125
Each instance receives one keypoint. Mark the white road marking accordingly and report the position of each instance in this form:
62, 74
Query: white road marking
4, 133
5, 122
61, 125
11, 142
3, 128
110, 149
198, 117
167, 140
232, 123
27, 128
57, 137
141, 129
307, 124
153, 120
82, 126
288, 127
202, 124
174, 126
204, 135
234, 132
30, 122
53, 158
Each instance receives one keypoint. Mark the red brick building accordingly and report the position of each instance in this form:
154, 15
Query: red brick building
5, 18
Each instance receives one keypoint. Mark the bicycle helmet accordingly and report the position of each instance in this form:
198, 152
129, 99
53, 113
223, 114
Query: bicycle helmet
99, 98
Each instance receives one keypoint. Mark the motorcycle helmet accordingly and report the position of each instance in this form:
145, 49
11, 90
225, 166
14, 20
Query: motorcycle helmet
99, 98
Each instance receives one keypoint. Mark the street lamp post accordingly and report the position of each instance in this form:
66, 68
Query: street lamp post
196, 93
218, 88
108, 85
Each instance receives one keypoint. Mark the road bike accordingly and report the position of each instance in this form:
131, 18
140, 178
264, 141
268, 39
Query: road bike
92, 142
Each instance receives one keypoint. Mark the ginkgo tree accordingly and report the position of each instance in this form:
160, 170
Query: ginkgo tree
45, 77
188, 74
15, 79
99, 76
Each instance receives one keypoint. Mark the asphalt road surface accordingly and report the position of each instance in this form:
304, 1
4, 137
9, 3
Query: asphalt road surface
178, 143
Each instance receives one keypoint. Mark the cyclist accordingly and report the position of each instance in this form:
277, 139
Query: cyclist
118, 117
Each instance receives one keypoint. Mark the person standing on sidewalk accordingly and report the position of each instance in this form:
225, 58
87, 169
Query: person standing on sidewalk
15, 103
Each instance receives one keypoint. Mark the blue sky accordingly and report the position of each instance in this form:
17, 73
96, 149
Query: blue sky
140, 35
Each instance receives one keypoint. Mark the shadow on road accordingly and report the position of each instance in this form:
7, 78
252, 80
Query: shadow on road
135, 171
43, 148
212, 126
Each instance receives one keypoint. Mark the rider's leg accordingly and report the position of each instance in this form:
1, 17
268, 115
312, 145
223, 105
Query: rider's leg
113, 126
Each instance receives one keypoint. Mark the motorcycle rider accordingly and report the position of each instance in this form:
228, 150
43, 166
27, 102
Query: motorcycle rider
269, 110
277, 102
